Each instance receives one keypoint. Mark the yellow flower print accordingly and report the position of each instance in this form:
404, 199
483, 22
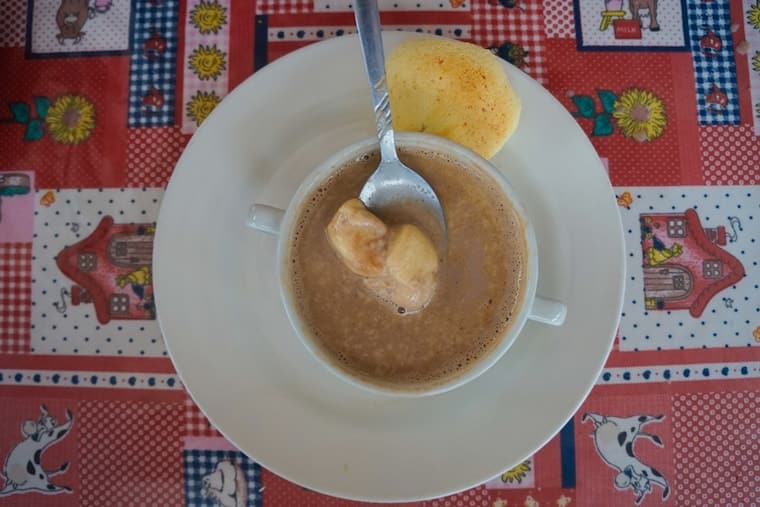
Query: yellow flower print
208, 16
201, 105
756, 334
207, 62
756, 62
753, 15
71, 119
640, 115
516, 474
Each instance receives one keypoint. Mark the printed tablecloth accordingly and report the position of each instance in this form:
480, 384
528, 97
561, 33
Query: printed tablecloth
99, 97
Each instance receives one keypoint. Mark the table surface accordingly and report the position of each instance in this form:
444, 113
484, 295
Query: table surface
103, 95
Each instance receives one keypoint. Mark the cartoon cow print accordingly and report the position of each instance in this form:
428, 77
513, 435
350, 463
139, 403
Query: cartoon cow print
226, 485
23, 472
614, 438
71, 18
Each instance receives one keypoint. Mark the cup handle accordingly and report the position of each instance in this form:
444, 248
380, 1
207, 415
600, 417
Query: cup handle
548, 311
265, 218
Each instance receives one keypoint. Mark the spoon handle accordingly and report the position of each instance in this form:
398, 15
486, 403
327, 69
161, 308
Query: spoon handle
368, 25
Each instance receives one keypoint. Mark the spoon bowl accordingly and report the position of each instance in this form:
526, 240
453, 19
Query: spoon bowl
393, 185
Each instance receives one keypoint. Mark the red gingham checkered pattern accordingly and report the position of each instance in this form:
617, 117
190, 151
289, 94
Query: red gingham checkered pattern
196, 424
15, 297
493, 25
284, 6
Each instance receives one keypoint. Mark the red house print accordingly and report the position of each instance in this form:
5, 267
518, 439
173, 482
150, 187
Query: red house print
111, 269
684, 268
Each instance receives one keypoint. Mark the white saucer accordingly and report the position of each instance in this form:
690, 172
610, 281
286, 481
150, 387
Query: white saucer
228, 335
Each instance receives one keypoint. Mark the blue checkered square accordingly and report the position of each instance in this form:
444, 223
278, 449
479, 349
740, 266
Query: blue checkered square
231, 470
152, 77
714, 72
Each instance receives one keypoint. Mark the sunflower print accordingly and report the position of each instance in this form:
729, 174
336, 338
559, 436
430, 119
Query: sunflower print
201, 105
208, 17
640, 115
516, 474
71, 119
753, 15
756, 62
207, 62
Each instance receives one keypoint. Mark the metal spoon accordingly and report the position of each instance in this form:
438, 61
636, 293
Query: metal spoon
393, 184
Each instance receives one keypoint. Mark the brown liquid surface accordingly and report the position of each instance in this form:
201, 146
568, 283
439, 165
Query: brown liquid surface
481, 280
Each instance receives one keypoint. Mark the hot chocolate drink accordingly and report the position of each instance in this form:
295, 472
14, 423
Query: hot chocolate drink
480, 278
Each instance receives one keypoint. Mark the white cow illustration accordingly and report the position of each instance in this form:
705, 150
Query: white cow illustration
226, 485
614, 437
23, 472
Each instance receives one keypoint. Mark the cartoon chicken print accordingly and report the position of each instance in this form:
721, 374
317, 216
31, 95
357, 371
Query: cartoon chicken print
137, 279
659, 253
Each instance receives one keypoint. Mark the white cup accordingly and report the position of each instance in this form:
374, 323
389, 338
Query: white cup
280, 223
